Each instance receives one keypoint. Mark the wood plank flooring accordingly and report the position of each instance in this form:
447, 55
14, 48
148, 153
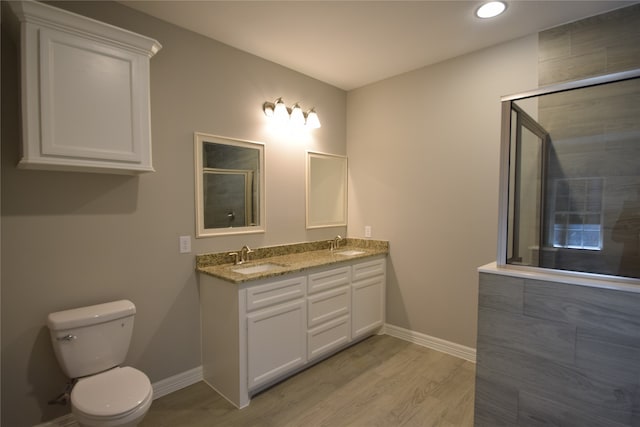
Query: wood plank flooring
381, 381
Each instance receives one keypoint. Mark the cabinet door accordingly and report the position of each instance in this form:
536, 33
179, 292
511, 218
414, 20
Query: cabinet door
88, 100
276, 341
367, 309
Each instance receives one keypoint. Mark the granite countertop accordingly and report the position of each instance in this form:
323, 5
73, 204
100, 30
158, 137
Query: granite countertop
288, 258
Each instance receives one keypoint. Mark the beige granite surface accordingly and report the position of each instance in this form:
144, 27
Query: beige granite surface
288, 258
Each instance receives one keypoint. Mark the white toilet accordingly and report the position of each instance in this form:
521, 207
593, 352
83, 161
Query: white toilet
90, 344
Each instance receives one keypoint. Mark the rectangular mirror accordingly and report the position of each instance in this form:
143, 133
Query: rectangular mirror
326, 190
229, 186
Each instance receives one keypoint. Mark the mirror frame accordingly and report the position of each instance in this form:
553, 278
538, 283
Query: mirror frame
199, 139
340, 222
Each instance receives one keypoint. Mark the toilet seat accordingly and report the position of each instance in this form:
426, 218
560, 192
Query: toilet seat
114, 394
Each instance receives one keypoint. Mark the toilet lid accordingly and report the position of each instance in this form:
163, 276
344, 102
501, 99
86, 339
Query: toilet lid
114, 392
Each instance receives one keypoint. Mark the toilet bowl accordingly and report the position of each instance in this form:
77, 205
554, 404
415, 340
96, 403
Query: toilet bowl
118, 397
91, 344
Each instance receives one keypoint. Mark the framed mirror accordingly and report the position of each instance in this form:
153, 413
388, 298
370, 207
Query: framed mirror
326, 190
229, 176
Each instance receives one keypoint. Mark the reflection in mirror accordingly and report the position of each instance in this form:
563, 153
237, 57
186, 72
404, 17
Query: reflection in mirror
229, 186
326, 190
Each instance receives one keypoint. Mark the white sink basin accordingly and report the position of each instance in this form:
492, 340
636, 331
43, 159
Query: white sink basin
256, 268
349, 252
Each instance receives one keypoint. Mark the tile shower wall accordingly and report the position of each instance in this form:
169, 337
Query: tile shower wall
598, 45
556, 354
595, 136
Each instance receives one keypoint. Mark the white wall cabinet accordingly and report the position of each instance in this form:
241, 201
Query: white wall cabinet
259, 332
85, 93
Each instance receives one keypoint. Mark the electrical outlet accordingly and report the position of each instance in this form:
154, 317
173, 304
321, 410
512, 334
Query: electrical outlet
185, 244
367, 231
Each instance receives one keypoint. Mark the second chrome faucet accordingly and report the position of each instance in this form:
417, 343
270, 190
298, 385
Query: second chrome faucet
242, 256
335, 243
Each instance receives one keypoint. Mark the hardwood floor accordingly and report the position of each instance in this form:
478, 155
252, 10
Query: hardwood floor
382, 381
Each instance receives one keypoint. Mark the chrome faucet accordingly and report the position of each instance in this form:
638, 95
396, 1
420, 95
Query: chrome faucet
242, 256
236, 257
335, 243
244, 253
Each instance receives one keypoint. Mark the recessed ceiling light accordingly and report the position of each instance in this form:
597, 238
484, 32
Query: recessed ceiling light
491, 9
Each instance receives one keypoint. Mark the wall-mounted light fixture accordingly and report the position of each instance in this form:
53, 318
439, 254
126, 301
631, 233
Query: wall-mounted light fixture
280, 113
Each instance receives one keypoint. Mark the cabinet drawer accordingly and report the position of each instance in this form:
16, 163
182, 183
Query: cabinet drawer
327, 337
328, 279
328, 305
368, 269
275, 293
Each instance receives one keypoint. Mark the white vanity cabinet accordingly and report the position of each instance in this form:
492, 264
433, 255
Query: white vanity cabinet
258, 332
85, 93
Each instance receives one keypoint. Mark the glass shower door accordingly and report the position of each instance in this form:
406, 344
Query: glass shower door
526, 184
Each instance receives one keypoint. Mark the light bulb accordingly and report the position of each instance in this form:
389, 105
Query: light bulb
280, 113
268, 107
297, 116
313, 121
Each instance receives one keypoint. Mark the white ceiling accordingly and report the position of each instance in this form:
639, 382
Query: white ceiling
349, 44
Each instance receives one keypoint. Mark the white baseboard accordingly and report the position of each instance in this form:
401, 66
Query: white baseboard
64, 421
176, 382
160, 388
457, 350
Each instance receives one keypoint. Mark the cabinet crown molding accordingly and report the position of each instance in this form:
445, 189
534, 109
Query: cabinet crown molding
30, 11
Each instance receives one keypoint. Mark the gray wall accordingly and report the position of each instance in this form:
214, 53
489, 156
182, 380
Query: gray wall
73, 239
423, 153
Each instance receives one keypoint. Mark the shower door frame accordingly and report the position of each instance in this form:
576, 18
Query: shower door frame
524, 120
505, 138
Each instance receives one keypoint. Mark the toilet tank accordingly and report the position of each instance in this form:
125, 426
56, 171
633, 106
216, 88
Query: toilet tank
88, 340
